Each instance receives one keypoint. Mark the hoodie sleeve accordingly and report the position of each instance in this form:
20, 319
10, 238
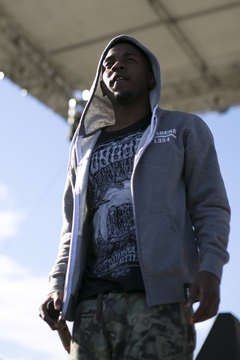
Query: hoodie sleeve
58, 272
206, 198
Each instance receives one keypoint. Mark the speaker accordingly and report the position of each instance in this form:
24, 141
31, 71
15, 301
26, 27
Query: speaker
223, 340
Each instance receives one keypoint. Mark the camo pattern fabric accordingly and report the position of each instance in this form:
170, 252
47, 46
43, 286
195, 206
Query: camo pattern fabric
123, 327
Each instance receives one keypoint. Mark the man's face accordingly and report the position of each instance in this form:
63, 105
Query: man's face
126, 75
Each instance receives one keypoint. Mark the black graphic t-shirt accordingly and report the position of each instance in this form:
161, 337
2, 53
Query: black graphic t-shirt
112, 257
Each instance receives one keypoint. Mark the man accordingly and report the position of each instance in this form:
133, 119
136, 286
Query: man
146, 219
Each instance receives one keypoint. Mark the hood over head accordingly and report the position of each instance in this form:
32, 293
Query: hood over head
98, 111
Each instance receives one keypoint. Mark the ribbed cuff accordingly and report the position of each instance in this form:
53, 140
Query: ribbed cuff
56, 283
212, 263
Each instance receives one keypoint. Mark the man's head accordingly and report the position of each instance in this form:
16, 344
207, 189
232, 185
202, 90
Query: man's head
144, 55
127, 73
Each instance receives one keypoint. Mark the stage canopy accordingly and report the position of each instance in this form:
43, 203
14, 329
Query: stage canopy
52, 47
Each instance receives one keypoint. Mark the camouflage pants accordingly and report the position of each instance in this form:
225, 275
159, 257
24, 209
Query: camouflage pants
123, 327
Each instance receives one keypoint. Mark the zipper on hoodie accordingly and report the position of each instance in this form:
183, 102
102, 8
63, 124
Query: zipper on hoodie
153, 127
72, 254
136, 161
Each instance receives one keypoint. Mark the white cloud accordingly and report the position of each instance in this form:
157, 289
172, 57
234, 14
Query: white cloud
20, 297
10, 218
10, 221
4, 192
9, 268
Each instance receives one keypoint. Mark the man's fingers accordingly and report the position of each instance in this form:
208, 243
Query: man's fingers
57, 300
206, 285
44, 315
205, 311
55, 324
208, 307
199, 315
59, 325
57, 303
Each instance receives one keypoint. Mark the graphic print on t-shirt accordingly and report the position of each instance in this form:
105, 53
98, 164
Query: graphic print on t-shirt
111, 205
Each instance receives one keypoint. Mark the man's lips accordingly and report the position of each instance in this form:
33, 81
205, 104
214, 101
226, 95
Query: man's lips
118, 78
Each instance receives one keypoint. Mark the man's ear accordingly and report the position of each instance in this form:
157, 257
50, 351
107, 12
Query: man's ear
102, 88
151, 80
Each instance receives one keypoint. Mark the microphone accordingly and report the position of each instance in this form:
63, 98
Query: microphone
64, 333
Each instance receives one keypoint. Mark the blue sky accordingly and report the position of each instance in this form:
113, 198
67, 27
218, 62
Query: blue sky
33, 155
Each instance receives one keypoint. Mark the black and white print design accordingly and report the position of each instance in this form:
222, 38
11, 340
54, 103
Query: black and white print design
111, 205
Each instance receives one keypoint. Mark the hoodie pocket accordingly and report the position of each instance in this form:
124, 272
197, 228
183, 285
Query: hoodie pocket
162, 250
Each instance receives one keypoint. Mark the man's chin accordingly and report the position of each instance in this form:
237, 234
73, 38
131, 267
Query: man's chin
123, 95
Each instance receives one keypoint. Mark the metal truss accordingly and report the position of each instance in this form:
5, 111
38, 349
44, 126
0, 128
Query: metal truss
28, 66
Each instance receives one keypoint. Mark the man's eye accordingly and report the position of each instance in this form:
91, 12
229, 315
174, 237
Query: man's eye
130, 60
108, 65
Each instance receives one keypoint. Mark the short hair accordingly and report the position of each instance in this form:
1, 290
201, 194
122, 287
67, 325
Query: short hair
142, 52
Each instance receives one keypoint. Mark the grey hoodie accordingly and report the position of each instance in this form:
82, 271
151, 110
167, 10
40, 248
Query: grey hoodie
180, 206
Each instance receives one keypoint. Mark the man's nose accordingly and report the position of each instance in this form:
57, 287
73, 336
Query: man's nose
117, 65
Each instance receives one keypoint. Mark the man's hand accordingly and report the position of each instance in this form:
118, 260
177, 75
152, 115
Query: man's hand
207, 285
57, 298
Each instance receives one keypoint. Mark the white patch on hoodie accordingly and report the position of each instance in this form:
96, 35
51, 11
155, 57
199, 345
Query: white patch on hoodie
164, 136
